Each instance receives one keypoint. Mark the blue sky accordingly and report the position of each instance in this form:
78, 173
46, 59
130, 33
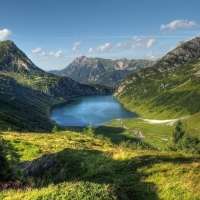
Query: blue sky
54, 32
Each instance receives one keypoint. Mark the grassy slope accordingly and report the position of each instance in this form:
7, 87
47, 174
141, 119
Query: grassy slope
33, 107
165, 95
90, 168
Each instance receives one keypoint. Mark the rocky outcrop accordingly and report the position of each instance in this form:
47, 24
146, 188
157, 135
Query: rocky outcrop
102, 71
39, 165
11, 55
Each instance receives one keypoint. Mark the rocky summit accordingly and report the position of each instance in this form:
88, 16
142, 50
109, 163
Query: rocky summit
102, 71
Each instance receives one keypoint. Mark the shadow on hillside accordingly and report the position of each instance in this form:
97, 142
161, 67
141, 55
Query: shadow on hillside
9, 169
125, 176
116, 134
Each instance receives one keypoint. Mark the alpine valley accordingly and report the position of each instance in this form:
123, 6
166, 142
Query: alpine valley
27, 91
155, 156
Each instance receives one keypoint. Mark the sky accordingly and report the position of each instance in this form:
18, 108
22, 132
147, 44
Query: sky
52, 33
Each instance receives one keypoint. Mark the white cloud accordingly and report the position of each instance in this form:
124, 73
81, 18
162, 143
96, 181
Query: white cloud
37, 50
42, 54
123, 45
150, 42
75, 47
105, 47
52, 54
136, 42
178, 24
4, 34
142, 42
58, 54
91, 50
151, 56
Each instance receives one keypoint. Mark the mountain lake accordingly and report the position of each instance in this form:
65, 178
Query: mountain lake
95, 109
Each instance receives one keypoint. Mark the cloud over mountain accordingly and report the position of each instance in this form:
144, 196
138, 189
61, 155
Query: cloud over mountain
177, 24
75, 47
136, 42
5, 34
37, 50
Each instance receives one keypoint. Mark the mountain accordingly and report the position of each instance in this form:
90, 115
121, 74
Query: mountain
102, 71
22, 108
168, 89
14, 63
53, 71
27, 91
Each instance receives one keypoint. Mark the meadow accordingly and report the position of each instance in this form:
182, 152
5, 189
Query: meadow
98, 166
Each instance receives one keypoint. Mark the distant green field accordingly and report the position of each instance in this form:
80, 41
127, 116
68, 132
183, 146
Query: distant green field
156, 135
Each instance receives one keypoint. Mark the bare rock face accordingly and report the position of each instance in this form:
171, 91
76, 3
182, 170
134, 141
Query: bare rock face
102, 71
181, 55
39, 165
13, 56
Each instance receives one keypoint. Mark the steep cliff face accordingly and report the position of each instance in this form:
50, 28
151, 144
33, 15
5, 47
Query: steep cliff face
102, 71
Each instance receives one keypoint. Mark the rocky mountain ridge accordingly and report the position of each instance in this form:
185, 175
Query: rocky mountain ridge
170, 88
180, 56
11, 55
102, 71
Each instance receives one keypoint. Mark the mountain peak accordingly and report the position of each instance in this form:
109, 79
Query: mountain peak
13, 56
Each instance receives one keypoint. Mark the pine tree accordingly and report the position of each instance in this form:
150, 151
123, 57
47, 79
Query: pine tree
90, 130
178, 133
55, 129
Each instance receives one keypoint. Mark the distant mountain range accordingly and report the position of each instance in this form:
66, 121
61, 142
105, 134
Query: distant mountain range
102, 71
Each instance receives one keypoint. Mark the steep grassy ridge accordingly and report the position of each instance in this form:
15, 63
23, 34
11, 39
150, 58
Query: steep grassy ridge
163, 95
22, 108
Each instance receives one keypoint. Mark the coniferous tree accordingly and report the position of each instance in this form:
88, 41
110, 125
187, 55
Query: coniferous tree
178, 133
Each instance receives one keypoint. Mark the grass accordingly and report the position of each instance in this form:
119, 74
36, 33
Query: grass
91, 168
156, 135
163, 95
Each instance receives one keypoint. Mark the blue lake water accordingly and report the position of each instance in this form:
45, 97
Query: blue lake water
95, 109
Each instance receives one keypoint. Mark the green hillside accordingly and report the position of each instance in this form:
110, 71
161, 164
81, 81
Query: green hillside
22, 108
14, 63
170, 89
27, 92
72, 165
164, 95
